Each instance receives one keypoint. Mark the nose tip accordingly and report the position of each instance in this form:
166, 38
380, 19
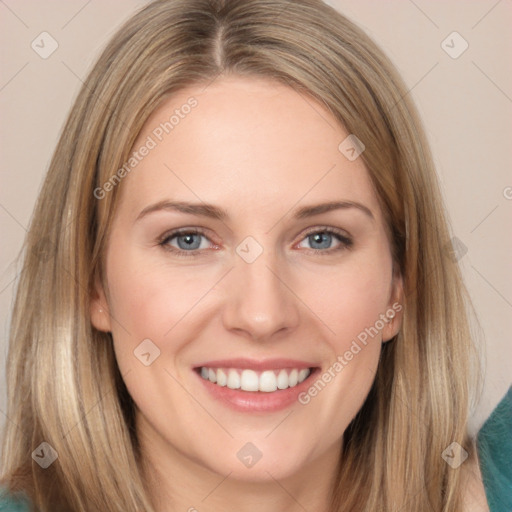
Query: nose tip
258, 303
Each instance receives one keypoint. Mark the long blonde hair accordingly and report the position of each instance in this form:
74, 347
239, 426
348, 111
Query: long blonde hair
64, 386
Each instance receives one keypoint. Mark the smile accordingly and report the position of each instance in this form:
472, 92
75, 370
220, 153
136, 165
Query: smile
255, 385
266, 381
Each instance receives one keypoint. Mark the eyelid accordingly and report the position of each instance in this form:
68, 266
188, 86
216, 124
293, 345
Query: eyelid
345, 239
177, 231
330, 229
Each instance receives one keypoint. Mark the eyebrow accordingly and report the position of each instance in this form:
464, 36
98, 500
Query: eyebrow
214, 212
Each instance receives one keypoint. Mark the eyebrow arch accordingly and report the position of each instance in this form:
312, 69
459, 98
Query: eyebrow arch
214, 212
309, 211
203, 209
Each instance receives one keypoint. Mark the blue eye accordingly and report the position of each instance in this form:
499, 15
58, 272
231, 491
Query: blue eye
322, 240
188, 242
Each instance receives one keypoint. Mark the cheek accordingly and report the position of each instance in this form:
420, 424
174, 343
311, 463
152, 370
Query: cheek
150, 302
148, 297
350, 303
351, 298
141, 304
351, 307
147, 301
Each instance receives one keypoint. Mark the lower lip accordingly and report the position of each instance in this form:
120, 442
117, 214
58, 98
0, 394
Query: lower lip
256, 401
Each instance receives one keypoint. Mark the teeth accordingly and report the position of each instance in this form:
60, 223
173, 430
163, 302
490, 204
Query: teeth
303, 374
233, 379
282, 380
268, 381
249, 380
222, 378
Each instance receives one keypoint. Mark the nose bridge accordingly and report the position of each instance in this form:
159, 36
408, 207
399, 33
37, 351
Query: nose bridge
258, 301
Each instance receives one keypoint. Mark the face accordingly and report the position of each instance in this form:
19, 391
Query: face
249, 281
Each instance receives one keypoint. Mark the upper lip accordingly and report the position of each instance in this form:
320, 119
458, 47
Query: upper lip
257, 365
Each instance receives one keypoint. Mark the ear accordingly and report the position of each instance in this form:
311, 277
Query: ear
99, 311
395, 310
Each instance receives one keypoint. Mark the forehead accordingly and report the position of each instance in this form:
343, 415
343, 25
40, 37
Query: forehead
247, 143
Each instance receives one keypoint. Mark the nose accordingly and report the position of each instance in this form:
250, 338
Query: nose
259, 301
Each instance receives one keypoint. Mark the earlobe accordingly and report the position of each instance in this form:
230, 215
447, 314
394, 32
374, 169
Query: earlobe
98, 309
395, 310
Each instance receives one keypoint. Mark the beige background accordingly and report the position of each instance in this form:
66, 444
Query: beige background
466, 104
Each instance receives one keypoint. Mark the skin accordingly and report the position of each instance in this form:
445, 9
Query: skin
258, 150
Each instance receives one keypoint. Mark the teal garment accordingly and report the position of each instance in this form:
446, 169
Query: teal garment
494, 442
13, 504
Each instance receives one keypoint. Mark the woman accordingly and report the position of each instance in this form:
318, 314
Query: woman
238, 292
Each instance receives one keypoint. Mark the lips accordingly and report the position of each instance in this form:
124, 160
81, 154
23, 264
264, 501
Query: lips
257, 386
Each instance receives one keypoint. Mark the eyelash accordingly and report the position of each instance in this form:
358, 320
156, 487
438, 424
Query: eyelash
345, 241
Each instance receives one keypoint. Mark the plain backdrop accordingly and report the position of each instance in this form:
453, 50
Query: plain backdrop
465, 99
